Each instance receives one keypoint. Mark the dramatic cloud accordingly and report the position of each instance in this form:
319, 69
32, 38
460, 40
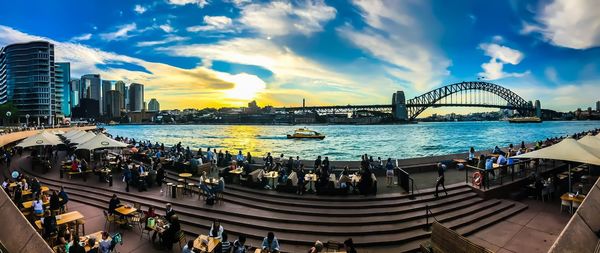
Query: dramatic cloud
139, 9
83, 37
283, 17
500, 55
394, 35
213, 23
122, 32
167, 28
166, 40
568, 23
200, 3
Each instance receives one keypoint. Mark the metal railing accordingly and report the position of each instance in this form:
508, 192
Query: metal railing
505, 173
427, 214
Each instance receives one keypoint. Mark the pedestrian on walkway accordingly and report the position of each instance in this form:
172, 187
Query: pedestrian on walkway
440, 179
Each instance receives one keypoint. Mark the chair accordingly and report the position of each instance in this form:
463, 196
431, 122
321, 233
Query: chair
575, 206
190, 187
80, 223
51, 240
219, 196
108, 219
137, 220
332, 246
181, 238
564, 203
180, 190
545, 192
168, 191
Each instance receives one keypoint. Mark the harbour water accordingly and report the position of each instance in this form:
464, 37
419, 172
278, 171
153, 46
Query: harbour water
348, 142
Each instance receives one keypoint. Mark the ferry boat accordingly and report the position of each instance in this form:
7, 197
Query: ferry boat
303, 133
525, 120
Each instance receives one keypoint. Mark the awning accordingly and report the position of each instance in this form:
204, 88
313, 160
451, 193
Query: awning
566, 150
101, 141
41, 139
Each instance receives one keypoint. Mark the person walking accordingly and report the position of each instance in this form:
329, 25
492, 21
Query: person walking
440, 179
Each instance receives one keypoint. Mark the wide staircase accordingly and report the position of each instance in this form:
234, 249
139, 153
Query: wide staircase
382, 223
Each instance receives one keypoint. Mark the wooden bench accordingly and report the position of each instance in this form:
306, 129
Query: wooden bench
447, 240
82, 173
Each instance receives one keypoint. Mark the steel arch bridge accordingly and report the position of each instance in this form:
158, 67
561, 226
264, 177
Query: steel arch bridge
466, 94
463, 94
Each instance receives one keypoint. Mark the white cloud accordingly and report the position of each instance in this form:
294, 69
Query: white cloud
565, 97
213, 23
395, 34
283, 17
166, 40
85, 36
123, 32
200, 3
500, 55
139, 9
167, 28
568, 23
551, 74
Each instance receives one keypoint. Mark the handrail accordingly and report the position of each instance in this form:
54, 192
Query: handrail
497, 171
427, 213
412, 188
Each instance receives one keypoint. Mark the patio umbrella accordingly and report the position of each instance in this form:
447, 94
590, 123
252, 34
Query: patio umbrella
75, 136
591, 142
70, 133
82, 139
566, 150
101, 141
40, 139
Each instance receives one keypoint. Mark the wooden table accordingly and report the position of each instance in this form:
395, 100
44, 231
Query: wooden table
97, 235
208, 247
311, 178
211, 181
185, 176
460, 160
29, 204
28, 192
125, 211
63, 219
579, 198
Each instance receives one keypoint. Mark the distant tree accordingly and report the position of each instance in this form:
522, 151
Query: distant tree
14, 113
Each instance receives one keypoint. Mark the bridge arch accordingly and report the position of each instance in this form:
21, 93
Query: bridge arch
420, 103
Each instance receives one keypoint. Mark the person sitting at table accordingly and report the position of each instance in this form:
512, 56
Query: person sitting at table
54, 201
75, 165
216, 230
471, 157
63, 197
83, 165
501, 160
238, 245
249, 158
318, 247
270, 243
91, 243
283, 175
322, 183
105, 243
113, 204
169, 212
49, 225
220, 187
189, 247
349, 246
345, 181
293, 177
239, 157
5, 184
38, 205
18, 197
64, 236
258, 176
75, 247
167, 236
36, 187
225, 244
202, 183
489, 167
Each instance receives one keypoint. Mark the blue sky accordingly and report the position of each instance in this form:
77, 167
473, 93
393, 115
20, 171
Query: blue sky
199, 53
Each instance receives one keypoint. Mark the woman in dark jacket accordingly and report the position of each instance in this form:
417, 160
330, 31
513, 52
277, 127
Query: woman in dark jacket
54, 201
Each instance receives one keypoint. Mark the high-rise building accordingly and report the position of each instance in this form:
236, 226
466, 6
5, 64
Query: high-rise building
63, 79
153, 105
27, 79
114, 103
75, 89
120, 87
106, 87
92, 88
126, 97
136, 97
598, 106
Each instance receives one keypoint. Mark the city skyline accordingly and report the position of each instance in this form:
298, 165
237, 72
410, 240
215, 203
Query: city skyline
197, 54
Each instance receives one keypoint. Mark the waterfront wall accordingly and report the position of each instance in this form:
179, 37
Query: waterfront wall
17, 136
17, 234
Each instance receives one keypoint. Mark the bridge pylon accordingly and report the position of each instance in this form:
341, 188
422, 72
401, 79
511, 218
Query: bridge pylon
399, 109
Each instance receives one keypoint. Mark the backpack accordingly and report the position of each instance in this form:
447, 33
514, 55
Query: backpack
210, 200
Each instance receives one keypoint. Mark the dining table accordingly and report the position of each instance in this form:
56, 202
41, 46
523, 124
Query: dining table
205, 243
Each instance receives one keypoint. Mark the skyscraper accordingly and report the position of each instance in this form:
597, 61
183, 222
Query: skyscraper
106, 87
136, 97
114, 103
27, 79
120, 87
598, 106
75, 89
91, 88
63, 84
153, 105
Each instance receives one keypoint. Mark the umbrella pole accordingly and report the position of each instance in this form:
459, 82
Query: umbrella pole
569, 177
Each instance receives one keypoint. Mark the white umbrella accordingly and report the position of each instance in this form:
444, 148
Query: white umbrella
40, 139
566, 150
75, 136
51, 136
81, 139
591, 142
101, 141
70, 133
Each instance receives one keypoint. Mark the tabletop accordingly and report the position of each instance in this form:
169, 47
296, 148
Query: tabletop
272, 174
210, 246
211, 181
97, 235
310, 177
184, 175
63, 218
28, 204
238, 171
573, 198
125, 211
28, 192
460, 160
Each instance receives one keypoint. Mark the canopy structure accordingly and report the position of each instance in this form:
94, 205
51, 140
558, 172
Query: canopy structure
81, 139
75, 136
41, 139
70, 133
593, 142
101, 141
51, 136
566, 150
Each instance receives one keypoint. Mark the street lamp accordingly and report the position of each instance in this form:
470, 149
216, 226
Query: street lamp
8, 117
27, 119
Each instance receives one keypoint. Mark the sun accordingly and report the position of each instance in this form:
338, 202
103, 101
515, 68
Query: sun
245, 87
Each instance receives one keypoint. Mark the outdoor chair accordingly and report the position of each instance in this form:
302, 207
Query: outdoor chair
565, 203
181, 238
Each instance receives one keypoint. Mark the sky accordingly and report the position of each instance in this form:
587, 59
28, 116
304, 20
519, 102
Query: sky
215, 53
